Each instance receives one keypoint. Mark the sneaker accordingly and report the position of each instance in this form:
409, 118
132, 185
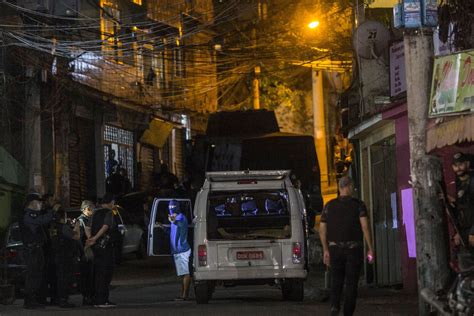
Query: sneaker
179, 298
66, 305
33, 306
105, 305
54, 302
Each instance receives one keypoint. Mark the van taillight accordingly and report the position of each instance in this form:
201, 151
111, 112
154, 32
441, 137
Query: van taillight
202, 255
297, 253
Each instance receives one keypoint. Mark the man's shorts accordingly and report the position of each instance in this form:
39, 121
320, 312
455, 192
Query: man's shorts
181, 261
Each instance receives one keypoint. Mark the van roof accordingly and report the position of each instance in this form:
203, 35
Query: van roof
224, 176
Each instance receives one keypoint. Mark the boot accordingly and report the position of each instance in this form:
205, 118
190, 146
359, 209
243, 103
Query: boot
66, 304
87, 301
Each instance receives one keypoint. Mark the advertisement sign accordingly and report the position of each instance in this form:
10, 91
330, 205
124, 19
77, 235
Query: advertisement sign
452, 87
398, 83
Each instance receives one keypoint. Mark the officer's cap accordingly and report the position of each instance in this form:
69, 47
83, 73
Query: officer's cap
33, 197
459, 157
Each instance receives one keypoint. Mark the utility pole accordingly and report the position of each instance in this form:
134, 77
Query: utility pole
425, 171
319, 126
32, 136
256, 74
256, 88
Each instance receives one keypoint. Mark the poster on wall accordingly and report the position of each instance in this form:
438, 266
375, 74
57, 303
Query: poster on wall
452, 86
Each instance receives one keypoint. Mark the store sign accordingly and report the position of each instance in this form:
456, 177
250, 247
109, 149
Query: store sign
452, 87
398, 82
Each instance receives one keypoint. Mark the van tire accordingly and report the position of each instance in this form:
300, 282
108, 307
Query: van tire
293, 290
202, 292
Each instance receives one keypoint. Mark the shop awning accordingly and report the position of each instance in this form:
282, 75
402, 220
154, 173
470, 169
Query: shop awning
451, 131
157, 133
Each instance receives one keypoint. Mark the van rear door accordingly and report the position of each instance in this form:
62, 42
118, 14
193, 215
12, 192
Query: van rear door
159, 227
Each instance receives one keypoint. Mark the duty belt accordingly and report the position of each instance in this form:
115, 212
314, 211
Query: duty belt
346, 244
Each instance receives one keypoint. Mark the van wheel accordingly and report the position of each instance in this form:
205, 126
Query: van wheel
293, 290
202, 291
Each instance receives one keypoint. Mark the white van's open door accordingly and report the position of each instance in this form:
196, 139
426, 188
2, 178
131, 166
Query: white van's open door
159, 227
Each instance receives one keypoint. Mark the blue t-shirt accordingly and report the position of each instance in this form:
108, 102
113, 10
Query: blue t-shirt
179, 235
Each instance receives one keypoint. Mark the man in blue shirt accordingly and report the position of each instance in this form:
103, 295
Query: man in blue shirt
180, 248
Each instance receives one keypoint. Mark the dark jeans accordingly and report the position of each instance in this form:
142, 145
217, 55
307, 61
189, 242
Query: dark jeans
345, 266
64, 274
103, 269
87, 279
34, 258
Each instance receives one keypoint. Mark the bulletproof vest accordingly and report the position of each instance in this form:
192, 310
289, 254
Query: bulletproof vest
56, 235
31, 234
465, 204
83, 221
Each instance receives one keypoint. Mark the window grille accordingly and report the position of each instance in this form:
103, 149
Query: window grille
121, 142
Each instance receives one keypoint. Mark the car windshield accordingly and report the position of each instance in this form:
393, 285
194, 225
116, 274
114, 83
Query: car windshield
241, 215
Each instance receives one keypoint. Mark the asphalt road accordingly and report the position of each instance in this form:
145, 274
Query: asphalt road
149, 288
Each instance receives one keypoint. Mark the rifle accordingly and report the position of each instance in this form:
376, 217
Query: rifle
448, 209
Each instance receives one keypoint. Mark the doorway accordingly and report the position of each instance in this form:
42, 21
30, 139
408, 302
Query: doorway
386, 223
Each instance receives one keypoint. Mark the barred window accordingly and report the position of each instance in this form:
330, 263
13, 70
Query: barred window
120, 142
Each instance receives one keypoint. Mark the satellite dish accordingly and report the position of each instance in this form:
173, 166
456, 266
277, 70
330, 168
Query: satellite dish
371, 39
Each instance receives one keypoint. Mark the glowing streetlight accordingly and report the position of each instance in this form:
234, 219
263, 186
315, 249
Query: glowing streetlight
313, 24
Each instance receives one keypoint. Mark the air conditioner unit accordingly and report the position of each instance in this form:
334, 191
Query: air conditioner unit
36, 5
66, 7
54, 7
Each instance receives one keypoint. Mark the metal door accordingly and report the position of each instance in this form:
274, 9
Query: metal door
385, 212
159, 227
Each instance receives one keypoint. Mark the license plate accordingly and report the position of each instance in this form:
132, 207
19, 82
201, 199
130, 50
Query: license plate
249, 255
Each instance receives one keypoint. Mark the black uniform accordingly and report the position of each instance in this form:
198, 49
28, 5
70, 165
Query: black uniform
87, 268
103, 254
345, 238
63, 249
34, 238
465, 205
48, 286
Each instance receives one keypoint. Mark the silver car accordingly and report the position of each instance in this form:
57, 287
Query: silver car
250, 228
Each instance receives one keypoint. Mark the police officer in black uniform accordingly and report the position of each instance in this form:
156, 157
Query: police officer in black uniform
87, 268
63, 248
34, 237
103, 231
48, 287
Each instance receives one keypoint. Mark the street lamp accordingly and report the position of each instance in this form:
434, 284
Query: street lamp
313, 24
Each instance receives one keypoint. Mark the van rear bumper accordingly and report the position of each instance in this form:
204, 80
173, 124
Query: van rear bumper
239, 274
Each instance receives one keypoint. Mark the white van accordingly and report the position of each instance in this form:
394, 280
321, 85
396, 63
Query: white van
249, 228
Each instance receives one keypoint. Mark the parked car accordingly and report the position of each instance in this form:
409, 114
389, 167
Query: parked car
133, 238
250, 228
13, 257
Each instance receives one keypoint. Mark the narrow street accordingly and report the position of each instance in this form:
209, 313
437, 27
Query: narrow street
258, 141
148, 287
